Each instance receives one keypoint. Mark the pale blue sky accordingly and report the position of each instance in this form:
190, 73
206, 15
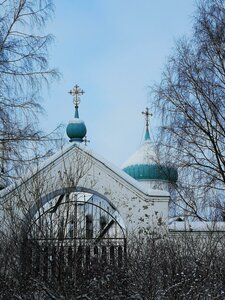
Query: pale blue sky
114, 49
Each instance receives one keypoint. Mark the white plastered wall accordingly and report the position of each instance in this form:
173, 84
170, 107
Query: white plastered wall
76, 167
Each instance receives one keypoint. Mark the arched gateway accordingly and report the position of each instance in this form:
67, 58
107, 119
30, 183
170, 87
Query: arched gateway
72, 232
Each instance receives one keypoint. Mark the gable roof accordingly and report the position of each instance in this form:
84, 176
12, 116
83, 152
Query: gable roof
68, 150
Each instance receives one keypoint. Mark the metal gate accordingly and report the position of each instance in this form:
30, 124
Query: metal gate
74, 233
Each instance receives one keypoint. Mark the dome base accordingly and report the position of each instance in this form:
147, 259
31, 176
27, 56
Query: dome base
79, 140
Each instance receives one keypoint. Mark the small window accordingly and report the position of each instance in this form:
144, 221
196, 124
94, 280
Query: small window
89, 227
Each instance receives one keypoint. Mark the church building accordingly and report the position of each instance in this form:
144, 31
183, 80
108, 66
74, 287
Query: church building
134, 198
76, 209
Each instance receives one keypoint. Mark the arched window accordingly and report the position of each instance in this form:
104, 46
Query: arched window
89, 227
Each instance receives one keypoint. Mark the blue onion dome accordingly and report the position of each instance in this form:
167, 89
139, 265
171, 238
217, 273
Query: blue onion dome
143, 165
76, 129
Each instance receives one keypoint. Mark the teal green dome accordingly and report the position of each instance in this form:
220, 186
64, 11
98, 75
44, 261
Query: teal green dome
144, 165
152, 172
76, 130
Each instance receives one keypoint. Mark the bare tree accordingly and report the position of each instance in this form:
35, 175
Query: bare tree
190, 98
23, 70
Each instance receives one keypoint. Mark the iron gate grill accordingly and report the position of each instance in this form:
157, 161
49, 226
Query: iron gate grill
71, 236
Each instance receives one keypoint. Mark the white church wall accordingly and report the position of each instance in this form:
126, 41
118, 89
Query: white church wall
156, 184
77, 168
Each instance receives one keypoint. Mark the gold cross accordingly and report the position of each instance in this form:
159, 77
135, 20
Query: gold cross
147, 115
76, 92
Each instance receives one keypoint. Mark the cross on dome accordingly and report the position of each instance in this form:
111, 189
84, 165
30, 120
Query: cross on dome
147, 115
76, 129
76, 92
